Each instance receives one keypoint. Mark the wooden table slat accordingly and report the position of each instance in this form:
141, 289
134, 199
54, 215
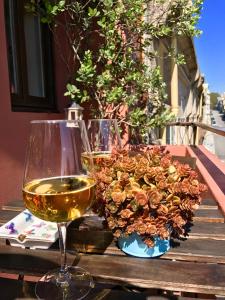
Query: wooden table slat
209, 215
209, 201
204, 250
15, 205
6, 215
207, 230
143, 273
11, 289
150, 273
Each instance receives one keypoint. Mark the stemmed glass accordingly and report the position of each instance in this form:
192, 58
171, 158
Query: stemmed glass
58, 188
104, 136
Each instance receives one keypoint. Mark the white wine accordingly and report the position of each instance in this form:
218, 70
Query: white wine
98, 158
59, 199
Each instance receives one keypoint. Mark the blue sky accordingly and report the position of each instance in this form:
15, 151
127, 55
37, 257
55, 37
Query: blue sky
210, 46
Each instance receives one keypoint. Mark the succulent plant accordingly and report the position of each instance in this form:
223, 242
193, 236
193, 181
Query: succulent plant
143, 190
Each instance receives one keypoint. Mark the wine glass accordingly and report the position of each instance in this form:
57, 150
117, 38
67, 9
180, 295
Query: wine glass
104, 136
58, 188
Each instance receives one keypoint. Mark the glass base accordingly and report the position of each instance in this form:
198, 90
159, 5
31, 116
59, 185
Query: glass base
75, 284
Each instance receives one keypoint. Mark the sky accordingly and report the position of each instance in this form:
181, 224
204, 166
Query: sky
210, 46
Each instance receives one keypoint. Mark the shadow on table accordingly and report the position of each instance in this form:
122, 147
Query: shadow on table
88, 235
11, 289
27, 261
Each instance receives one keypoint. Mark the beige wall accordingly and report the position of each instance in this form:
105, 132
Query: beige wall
184, 82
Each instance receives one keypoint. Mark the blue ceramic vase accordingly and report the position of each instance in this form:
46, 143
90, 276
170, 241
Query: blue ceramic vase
133, 245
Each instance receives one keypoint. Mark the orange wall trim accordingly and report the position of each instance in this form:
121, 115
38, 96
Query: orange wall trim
212, 171
179, 150
209, 166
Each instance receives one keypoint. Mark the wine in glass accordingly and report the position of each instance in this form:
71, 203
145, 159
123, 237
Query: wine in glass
104, 137
58, 188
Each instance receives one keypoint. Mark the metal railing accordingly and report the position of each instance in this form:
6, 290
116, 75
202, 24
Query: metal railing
189, 133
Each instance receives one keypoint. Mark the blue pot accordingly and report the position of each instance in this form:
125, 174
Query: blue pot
134, 245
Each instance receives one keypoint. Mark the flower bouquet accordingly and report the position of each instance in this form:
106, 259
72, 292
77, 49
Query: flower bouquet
144, 191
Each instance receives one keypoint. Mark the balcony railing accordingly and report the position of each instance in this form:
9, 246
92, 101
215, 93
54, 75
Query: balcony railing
190, 133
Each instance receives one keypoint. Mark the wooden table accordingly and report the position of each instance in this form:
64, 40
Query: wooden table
192, 268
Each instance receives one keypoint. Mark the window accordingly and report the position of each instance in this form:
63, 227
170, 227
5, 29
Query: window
29, 59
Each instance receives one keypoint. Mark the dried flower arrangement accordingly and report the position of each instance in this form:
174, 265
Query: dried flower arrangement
144, 191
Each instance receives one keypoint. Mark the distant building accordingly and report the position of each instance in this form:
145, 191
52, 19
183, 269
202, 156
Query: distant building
206, 116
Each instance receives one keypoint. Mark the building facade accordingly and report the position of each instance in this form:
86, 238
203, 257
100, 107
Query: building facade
185, 87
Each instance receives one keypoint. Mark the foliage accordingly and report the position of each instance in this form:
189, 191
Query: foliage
111, 45
147, 193
213, 99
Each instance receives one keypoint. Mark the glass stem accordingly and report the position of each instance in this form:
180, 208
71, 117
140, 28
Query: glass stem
62, 246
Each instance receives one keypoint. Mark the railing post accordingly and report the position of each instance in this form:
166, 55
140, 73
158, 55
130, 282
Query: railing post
195, 136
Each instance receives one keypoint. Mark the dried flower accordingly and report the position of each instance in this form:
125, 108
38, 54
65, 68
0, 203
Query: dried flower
144, 191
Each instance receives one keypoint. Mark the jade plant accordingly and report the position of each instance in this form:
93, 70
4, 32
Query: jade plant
111, 61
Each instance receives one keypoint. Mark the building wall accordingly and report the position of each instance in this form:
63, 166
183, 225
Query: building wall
184, 86
184, 94
206, 118
14, 126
